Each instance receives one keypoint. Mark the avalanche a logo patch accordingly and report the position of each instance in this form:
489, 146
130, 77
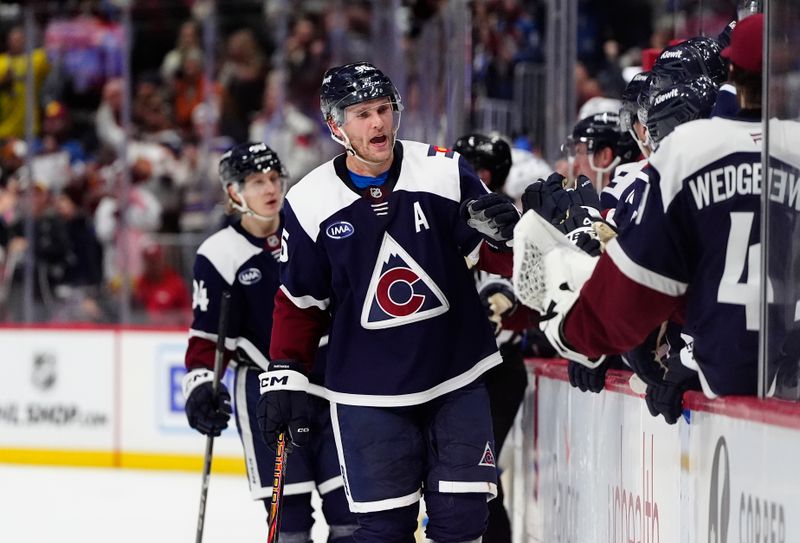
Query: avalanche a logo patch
400, 292
488, 457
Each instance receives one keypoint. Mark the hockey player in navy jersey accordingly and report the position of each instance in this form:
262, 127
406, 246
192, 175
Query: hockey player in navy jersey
243, 260
690, 255
376, 246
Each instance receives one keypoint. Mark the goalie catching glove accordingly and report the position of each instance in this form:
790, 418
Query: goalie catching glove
283, 405
207, 413
549, 272
494, 217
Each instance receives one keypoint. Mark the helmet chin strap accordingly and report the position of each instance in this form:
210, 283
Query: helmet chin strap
598, 179
245, 209
639, 143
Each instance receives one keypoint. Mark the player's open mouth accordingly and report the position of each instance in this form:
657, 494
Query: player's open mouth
379, 141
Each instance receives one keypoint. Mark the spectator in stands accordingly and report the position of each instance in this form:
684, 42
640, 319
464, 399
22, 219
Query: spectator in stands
151, 111
306, 58
242, 78
13, 94
57, 137
189, 89
290, 133
122, 239
161, 291
108, 121
188, 44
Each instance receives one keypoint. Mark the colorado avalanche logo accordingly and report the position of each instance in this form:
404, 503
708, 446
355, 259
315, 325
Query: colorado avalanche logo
400, 291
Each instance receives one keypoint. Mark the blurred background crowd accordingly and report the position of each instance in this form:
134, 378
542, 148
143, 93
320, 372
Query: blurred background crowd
113, 115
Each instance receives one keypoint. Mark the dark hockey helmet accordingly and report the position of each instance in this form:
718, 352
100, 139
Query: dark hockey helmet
680, 104
710, 53
596, 131
689, 60
245, 158
344, 86
486, 152
630, 100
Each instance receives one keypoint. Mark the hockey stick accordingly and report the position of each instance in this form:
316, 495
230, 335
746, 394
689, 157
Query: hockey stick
277, 490
218, 357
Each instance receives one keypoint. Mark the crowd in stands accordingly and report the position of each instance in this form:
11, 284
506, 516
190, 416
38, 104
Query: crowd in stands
100, 198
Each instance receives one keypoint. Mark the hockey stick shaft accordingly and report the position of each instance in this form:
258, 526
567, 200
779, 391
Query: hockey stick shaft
277, 490
219, 356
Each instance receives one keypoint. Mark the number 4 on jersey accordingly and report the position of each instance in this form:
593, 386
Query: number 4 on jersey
731, 288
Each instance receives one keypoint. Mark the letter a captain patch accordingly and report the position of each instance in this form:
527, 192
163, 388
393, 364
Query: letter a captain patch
400, 292
488, 457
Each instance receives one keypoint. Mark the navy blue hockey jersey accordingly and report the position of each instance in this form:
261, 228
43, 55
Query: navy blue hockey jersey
388, 263
695, 240
246, 266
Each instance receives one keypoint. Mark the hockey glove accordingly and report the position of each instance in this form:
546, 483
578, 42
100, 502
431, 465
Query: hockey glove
283, 405
551, 200
666, 398
494, 217
585, 378
497, 296
206, 413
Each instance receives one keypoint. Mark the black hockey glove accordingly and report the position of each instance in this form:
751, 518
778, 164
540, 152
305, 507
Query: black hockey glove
587, 379
666, 398
283, 405
551, 200
494, 217
206, 413
498, 299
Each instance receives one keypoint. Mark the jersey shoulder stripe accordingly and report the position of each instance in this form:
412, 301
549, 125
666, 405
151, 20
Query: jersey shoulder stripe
317, 196
227, 250
435, 173
691, 147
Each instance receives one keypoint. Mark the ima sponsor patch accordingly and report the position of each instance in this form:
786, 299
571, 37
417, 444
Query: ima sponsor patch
340, 230
488, 456
250, 276
400, 292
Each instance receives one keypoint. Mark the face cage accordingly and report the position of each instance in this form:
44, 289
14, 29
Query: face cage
626, 116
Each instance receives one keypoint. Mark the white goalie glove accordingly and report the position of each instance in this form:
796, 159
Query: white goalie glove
549, 272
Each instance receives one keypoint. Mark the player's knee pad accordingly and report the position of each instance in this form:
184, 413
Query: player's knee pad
341, 521
456, 518
297, 515
389, 526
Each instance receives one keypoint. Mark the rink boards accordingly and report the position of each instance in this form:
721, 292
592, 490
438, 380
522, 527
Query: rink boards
588, 467
101, 397
599, 467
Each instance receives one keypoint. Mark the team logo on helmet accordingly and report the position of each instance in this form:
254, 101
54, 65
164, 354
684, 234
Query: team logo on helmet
400, 292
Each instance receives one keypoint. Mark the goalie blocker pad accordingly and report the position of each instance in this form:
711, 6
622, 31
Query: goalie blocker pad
549, 272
